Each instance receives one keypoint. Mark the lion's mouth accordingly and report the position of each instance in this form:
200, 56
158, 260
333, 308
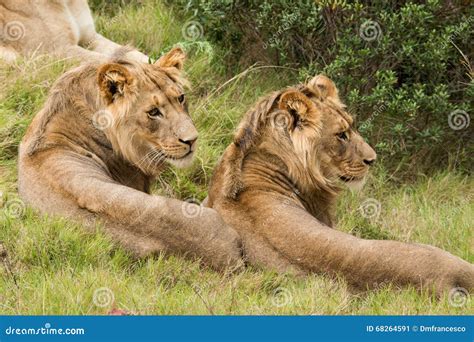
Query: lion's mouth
182, 161
347, 179
353, 182
186, 155
171, 155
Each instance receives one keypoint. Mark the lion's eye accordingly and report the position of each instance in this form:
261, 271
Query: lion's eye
155, 113
342, 136
181, 99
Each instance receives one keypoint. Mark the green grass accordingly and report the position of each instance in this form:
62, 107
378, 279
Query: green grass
54, 267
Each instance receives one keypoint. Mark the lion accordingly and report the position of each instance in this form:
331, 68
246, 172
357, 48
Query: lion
64, 28
105, 132
277, 184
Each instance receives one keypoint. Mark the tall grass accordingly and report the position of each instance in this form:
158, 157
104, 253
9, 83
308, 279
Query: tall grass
52, 266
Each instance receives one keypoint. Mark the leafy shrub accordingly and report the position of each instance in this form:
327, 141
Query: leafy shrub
401, 67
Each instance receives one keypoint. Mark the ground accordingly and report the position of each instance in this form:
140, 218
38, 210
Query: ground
51, 266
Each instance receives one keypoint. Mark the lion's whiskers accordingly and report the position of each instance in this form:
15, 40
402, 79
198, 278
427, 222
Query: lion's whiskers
158, 157
144, 158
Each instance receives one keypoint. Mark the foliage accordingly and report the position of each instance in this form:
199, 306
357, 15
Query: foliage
402, 67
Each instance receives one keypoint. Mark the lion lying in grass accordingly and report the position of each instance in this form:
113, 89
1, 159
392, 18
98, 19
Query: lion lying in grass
276, 184
59, 27
104, 133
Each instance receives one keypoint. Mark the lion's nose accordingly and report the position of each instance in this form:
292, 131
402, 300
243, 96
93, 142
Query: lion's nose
369, 161
190, 141
187, 134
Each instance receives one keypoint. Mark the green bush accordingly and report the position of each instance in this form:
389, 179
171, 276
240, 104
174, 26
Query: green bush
401, 67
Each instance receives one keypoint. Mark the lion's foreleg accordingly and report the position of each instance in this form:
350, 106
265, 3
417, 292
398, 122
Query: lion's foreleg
91, 40
107, 47
75, 51
365, 263
176, 227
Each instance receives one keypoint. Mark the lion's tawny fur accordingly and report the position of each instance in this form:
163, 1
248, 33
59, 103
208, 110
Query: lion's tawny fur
105, 131
277, 184
64, 28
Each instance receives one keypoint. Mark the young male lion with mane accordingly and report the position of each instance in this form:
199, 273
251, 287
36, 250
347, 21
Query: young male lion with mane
64, 28
276, 184
104, 133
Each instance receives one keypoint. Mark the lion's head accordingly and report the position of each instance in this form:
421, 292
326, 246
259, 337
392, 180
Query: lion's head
146, 113
304, 136
342, 152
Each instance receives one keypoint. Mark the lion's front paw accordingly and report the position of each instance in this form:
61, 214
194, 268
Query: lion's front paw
456, 275
226, 243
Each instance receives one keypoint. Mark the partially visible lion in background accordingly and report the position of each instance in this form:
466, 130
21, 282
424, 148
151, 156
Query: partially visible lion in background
277, 186
64, 28
104, 133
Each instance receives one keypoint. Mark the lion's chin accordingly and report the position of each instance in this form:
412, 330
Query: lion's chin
182, 163
354, 184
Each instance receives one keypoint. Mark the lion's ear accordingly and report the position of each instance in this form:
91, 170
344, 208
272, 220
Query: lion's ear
114, 81
298, 105
323, 87
173, 59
